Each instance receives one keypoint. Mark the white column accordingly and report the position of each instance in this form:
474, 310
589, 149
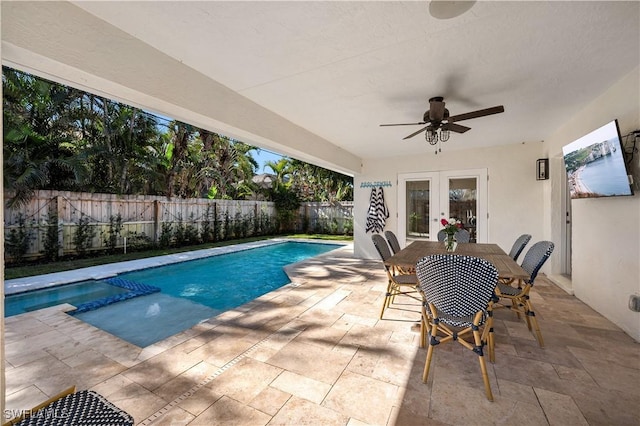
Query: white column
2, 361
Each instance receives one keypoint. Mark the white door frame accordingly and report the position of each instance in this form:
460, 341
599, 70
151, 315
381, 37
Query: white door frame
403, 178
439, 200
482, 210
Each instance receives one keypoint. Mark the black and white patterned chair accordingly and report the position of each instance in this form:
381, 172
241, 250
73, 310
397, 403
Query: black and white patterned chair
459, 291
536, 256
71, 408
462, 235
519, 245
515, 252
397, 280
393, 241
395, 248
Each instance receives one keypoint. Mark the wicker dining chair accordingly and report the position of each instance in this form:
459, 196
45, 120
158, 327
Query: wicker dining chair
515, 252
518, 296
462, 235
519, 245
459, 293
399, 283
395, 248
393, 241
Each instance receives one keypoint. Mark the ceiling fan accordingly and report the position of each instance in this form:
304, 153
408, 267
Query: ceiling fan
437, 117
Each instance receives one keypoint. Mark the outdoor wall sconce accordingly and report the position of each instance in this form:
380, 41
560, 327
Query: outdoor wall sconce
542, 169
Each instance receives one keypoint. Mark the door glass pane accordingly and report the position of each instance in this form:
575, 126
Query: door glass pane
463, 203
417, 209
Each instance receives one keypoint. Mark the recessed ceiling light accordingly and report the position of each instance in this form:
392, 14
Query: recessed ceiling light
447, 9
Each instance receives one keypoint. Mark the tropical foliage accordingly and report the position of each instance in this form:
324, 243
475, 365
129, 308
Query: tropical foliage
58, 137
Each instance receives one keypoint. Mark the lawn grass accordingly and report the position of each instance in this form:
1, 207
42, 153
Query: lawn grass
31, 269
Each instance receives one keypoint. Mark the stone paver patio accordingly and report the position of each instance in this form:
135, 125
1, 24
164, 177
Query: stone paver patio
314, 352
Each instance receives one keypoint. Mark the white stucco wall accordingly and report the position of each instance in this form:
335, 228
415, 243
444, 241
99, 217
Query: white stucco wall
606, 231
514, 195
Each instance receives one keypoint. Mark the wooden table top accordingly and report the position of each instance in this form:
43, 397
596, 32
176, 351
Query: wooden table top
506, 266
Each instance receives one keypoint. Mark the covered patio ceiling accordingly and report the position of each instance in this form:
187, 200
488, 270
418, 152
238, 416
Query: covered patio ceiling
314, 80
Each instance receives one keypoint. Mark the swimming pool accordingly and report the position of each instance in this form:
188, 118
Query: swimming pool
74, 294
196, 290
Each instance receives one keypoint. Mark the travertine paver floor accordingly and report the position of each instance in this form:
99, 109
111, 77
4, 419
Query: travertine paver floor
314, 352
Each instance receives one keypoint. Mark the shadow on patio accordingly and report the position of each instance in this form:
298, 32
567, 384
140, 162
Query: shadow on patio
315, 352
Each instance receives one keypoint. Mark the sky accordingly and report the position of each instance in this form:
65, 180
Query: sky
262, 157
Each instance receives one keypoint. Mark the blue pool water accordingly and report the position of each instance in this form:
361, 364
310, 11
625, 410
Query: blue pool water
73, 294
196, 290
227, 281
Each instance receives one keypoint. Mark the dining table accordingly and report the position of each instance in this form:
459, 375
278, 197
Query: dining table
508, 268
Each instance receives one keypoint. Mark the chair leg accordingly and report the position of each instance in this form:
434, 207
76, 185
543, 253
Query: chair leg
485, 378
425, 330
523, 305
492, 347
531, 319
427, 364
483, 365
386, 301
488, 338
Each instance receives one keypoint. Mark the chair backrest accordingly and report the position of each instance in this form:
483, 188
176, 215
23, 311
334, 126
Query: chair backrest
393, 241
381, 245
462, 235
535, 258
519, 245
458, 286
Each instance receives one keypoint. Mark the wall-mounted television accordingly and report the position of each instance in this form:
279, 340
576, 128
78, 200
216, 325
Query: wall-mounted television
595, 164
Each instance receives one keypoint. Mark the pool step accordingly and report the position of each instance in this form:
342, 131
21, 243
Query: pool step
135, 290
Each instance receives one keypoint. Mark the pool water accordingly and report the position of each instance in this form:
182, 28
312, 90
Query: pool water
148, 319
74, 294
197, 290
227, 281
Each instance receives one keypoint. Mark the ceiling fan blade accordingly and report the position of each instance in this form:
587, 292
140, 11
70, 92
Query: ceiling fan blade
476, 114
415, 133
458, 128
404, 124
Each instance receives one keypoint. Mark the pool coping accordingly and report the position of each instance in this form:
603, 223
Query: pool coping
37, 282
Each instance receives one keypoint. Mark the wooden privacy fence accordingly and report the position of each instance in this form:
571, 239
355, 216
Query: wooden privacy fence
116, 222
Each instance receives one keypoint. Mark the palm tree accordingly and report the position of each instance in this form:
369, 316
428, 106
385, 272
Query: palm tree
38, 133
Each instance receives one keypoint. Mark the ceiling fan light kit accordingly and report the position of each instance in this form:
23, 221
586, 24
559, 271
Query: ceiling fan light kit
438, 123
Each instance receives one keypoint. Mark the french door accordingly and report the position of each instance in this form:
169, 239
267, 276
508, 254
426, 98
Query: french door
424, 198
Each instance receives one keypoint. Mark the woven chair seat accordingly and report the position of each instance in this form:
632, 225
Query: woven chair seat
508, 290
406, 279
461, 322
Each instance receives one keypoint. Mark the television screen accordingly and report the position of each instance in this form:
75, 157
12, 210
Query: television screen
595, 164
